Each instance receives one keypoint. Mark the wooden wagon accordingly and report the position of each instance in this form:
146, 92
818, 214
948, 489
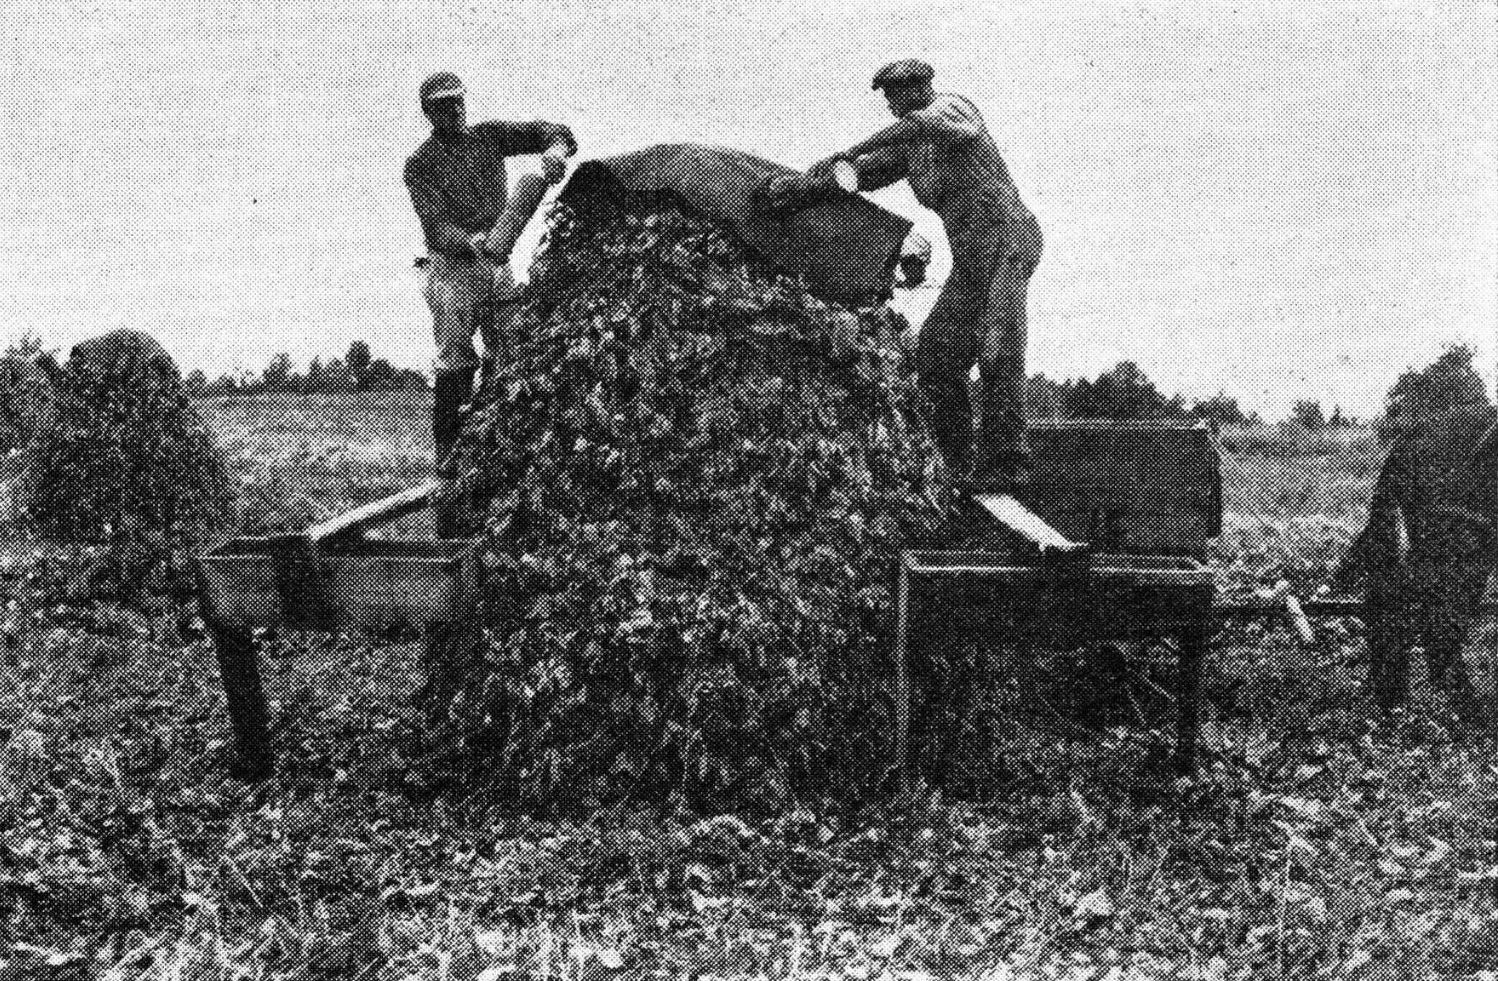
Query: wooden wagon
1146, 498
1108, 542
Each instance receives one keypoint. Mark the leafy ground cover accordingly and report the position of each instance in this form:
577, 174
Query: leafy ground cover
1319, 840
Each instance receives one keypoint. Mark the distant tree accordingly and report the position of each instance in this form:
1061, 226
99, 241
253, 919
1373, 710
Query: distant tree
335, 376
1449, 382
277, 374
411, 380
1340, 421
1044, 398
196, 383
239, 381
378, 376
1220, 408
1308, 413
358, 360
1122, 392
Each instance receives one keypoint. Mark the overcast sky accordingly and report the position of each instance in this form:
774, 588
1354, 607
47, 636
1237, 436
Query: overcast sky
1280, 199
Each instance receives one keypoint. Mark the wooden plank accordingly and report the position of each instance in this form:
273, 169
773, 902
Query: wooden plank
1101, 569
902, 679
1026, 523
1238, 609
989, 558
1193, 651
375, 512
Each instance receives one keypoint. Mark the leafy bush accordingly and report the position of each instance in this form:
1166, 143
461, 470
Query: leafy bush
703, 475
127, 462
1447, 383
26, 395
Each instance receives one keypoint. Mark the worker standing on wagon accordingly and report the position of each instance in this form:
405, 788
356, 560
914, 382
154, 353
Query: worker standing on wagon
458, 187
940, 143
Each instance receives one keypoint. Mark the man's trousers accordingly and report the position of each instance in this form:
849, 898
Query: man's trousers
979, 318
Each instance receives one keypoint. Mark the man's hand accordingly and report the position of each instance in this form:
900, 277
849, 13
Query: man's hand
822, 169
912, 271
553, 168
482, 250
915, 256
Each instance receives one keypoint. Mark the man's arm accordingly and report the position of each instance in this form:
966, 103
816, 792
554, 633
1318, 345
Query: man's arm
882, 167
553, 141
947, 119
537, 136
889, 143
896, 134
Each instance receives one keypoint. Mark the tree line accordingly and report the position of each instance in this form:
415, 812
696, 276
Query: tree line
357, 371
1122, 392
1126, 392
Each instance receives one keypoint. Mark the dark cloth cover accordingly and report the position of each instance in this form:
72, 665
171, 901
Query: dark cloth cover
845, 246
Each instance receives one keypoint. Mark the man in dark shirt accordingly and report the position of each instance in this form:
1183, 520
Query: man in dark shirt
458, 187
940, 143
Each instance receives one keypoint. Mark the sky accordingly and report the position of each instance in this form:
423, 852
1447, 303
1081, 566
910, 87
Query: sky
1281, 200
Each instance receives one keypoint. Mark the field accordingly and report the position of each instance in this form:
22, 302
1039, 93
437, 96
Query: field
1319, 840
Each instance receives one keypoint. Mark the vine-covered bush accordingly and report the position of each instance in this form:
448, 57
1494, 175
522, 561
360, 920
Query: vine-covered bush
127, 462
26, 396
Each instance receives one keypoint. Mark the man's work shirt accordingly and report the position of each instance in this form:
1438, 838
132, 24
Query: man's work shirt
459, 187
955, 169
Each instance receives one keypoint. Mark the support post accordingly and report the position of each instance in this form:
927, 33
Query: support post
902, 676
239, 666
1194, 640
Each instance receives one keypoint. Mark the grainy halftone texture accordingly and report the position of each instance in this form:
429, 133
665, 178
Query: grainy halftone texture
702, 477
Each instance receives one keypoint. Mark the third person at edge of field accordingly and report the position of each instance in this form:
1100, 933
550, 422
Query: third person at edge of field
941, 145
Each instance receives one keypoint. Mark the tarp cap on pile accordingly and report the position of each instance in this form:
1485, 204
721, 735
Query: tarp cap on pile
846, 248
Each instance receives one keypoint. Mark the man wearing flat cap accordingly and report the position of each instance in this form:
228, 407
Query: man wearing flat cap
458, 187
940, 144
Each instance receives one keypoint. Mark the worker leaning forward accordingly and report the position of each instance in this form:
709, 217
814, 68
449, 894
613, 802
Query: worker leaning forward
941, 145
458, 187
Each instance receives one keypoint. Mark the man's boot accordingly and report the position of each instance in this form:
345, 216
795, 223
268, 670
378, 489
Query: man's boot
450, 392
1004, 464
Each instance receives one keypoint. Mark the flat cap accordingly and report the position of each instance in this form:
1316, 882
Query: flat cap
443, 85
909, 71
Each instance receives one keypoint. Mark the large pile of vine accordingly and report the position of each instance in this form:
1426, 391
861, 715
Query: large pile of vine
699, 477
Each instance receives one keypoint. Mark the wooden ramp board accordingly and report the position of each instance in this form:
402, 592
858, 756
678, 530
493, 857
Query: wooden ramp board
1019, 519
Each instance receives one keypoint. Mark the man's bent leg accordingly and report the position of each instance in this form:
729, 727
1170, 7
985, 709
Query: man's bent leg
1390, 613
946, 348
1452, 565
454, 299
451, 390
1002, 454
